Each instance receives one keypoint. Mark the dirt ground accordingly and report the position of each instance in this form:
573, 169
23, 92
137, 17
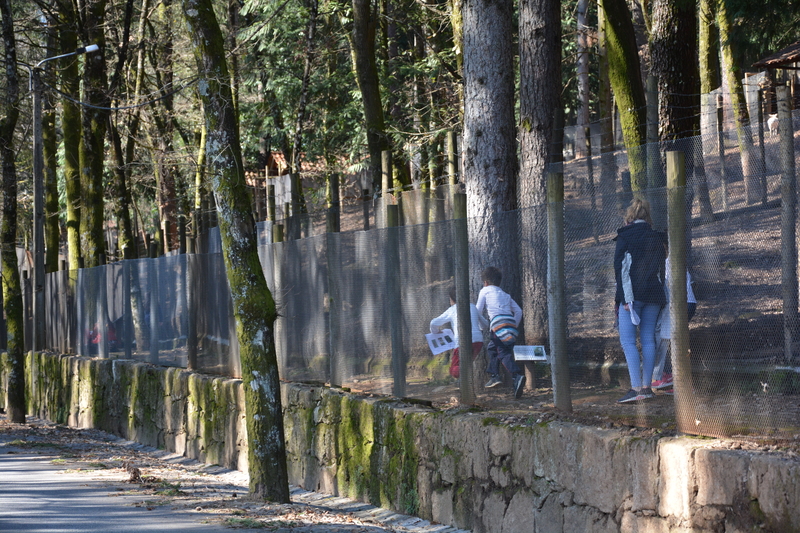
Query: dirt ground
743, 385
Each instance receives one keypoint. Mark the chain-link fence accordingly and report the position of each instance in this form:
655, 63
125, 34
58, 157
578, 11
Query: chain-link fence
354, 306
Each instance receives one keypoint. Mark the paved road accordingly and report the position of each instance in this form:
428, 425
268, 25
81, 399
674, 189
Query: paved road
39, 497
61, 480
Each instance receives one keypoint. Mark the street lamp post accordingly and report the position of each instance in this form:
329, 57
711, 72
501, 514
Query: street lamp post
38, 196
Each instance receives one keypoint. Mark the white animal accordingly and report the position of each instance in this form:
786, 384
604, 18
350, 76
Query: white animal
772, 124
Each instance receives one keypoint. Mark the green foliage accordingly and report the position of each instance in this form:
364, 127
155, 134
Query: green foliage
272, 70
762, 28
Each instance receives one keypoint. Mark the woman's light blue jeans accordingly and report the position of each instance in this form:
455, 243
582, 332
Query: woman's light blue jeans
640, 368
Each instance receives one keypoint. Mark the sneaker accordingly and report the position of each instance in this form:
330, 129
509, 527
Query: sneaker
519, 384
663, 383
630, 396
494, 381
645, 394
669, 392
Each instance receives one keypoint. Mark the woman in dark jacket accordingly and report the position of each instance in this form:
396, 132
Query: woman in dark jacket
639, 270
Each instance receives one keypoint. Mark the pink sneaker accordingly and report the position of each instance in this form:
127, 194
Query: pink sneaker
663, 383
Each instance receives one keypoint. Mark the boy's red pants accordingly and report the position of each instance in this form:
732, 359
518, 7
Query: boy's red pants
455, 360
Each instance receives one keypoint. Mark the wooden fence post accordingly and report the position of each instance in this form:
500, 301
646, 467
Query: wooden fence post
452, 159
788, 221
723, 178
679, 320
393, 294
464, 321
556, 298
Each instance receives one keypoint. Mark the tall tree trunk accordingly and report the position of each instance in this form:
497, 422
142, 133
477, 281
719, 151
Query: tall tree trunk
163, 119
673, 57
362, 48
582, 73
71, 127
540, 76
300, 116
457, 23
625, 75
94, 121
708, 50
233, 29
52, 226
608, 163
489, 146
673, 52
12, 291
253, 306
741, 115
122, 203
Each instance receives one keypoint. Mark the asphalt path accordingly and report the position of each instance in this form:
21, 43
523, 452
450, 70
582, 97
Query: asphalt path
55, 479
37, 496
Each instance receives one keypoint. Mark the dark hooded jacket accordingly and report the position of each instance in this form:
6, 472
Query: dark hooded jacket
648, 252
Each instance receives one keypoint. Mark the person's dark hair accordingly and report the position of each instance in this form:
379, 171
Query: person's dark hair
453, 293
492, 275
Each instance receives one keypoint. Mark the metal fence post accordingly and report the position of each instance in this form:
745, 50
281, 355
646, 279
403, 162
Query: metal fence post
762, 159
154, 292
394, 303
721, 148
193, 267
461, 246
679, 323
556, 298
788, 221
102, 310
127, 313
365, 204
333, 257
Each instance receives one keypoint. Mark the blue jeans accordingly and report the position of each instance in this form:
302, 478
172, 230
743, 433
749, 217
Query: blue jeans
498, 354
640, 368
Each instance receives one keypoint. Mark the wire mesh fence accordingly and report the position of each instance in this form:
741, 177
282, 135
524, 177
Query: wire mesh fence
354, 306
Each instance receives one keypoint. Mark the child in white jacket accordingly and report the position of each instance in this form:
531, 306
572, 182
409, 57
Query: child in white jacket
478, 324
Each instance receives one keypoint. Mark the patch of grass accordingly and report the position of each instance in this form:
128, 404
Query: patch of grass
244, 523
58, 461
154, 503
97, 466
169, 489
19, 443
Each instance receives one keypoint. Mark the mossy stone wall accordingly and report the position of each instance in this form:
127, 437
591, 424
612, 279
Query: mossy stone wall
462, 468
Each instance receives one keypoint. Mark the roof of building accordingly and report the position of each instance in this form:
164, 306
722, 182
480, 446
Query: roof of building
789, 55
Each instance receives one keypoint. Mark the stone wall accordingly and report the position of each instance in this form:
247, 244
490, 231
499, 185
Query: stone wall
463, 468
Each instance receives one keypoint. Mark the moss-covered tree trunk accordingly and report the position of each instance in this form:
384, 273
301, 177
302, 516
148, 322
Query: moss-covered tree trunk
624, 72
92, 148
12, 291
71, 128
741, 115
605, 104
708, 52
253, 306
